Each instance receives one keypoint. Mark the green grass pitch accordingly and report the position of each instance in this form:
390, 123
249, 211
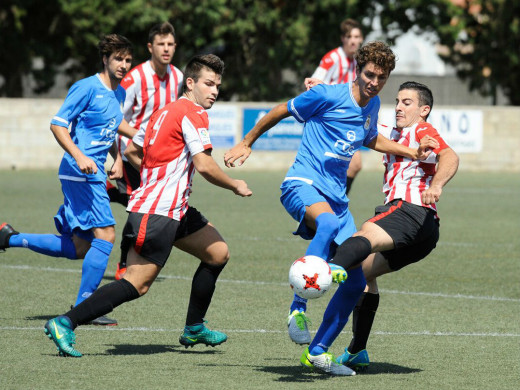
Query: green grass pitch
451, 321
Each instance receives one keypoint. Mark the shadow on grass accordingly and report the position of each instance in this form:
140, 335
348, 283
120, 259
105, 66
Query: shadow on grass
298, 374
152, 349
44, 317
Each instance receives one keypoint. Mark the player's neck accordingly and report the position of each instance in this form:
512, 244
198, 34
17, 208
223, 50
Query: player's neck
362, 101
108, 81
158, 68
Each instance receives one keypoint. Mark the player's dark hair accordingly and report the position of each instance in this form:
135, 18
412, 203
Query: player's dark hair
377, 52
348, 25
424, 93
160, 29
199, 62
114, 43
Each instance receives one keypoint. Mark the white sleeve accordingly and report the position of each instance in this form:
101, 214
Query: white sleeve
319, 73
197, 139
139, 137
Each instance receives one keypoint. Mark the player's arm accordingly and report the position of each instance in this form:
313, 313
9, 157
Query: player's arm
384, 145
126, 130
116, 171
242, 150
134, 154
447, 167
85, 164
208, 168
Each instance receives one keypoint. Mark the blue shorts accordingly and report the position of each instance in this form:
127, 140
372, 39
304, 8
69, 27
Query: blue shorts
86, 205
296, 195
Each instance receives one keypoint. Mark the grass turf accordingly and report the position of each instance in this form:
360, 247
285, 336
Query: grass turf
448, 322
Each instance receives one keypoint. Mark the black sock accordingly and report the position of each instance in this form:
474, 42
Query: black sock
350, 180
202, 289
362, 320
352, 252
102, 301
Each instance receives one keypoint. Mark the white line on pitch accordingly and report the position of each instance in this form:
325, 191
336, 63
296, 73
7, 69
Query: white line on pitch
263, 283
266, 331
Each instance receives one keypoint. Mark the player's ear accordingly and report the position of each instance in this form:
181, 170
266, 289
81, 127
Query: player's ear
149, 45
425, 111
189, 83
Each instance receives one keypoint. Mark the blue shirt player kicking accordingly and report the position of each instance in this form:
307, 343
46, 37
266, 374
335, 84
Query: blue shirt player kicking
339, 120
93, 111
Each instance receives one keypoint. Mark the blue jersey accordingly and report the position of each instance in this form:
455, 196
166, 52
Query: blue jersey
335, 128
94, 112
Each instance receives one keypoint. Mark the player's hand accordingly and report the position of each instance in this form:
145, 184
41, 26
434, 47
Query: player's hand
426, 146
116, 172
242, 189
238, 152
431, 195
86, 165
339, 275
311, 82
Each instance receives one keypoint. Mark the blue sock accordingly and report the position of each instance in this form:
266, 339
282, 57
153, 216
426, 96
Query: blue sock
338, 310
298, 303
94, 266
46, 244
327, 228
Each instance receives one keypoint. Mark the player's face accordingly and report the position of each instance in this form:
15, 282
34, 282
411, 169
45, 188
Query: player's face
352, 41
117, 65
371, 80
162, 49
205, 90
408, 110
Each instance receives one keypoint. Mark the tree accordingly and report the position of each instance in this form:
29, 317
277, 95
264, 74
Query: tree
268, 46
27, 33
479, 38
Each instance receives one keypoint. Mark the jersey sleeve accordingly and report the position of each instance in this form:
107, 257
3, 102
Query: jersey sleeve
195, 132
424, 129
138, 138
307, 104
130, 87
75, 103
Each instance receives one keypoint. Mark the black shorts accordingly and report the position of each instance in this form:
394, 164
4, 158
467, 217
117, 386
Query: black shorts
414, 230
153, 236
130, 181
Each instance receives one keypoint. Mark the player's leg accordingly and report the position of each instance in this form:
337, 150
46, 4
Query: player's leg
334, 320
130, 182
355, 355
353, 169
138, 279
147, 239
46, 244
206, 244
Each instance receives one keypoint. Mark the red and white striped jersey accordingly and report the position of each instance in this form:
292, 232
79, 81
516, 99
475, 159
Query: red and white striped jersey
174, 135
336, 68
404, 178
146, 93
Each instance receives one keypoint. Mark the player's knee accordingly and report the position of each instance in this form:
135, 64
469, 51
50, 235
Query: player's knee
327, 226
218, 255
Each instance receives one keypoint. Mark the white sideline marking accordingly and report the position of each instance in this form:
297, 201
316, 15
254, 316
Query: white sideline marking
265, 331
262, 283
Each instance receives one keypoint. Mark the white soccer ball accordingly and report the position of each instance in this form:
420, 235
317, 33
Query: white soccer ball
310, 277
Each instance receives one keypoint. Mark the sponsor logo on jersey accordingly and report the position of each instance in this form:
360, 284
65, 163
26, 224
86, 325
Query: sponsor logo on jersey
367, 123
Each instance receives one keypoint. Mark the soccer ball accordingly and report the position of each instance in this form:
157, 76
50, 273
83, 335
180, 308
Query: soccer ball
310, 277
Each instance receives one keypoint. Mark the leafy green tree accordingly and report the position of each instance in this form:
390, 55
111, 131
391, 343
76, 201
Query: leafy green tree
268, 46
480, 38
29, 31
